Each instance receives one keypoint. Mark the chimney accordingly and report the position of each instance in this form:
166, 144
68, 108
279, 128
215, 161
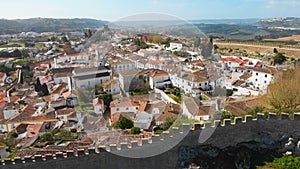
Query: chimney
8, 97
69, 84
55, 63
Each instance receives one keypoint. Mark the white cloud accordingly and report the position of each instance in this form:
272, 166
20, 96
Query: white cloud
282, 3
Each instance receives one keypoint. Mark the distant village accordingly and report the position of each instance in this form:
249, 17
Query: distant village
128, 88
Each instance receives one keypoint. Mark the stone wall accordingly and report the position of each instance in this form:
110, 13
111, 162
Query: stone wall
179, 147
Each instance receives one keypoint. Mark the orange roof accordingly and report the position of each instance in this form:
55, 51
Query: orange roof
33, 129
231, 80
233, 59
115, 118
156, 62
142, 107
2, 103
159, 73
126, 103
97, 101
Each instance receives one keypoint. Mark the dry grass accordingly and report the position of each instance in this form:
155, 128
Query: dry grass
288, 38
290, 52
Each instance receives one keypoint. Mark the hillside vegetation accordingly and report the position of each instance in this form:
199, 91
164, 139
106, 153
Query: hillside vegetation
47, 25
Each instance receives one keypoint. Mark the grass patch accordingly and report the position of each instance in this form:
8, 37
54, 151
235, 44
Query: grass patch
180, 120
23, 61
175, 98
203, 97
138, 93
285, 162
13, 44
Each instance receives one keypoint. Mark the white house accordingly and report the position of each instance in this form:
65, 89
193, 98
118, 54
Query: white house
175, 46
112, 86
159, 79
66, 114
98, 106
262, 77
143, 120
62, 75
187, 81
84, 77
191, 109
119, 64
124, 106
228, 83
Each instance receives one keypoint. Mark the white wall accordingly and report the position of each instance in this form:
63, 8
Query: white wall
9, 113
261, 80
126, 109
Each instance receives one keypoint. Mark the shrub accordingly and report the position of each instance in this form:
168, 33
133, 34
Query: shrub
73, 130
124, 123
135, 130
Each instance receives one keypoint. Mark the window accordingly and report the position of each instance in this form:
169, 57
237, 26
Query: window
256, 80
126, 108
265, 81
117, 109
266, 75
256, 74
136, 108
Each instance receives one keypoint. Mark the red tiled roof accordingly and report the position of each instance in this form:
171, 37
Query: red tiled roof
2, 75
33, 129
97, 101
234, 59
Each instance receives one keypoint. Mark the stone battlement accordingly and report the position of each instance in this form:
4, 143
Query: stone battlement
228, 133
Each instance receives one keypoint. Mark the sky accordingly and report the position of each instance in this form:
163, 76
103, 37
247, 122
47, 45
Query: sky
112, 10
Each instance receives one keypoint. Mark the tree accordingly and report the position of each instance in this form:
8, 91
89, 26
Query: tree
168, 123
45, 90
89, 33
38, 86
21, 78
16, 54
64, 39
284, 94
124, 123
135, 130
279, 58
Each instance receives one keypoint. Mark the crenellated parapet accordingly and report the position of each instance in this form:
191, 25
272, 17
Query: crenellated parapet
185, 134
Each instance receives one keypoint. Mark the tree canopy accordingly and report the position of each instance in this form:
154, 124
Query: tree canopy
124, 123
279, 58
284, 93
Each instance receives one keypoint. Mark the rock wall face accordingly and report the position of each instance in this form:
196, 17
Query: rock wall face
242, 144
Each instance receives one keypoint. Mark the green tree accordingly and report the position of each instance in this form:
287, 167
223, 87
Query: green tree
279, 58
64, 39
89, 33
38, 86
46, 137
44, 90
135, 130
124, 123
168, 123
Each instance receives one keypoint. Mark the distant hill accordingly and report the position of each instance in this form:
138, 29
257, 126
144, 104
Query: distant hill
47, 25
249, 21
288, 22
